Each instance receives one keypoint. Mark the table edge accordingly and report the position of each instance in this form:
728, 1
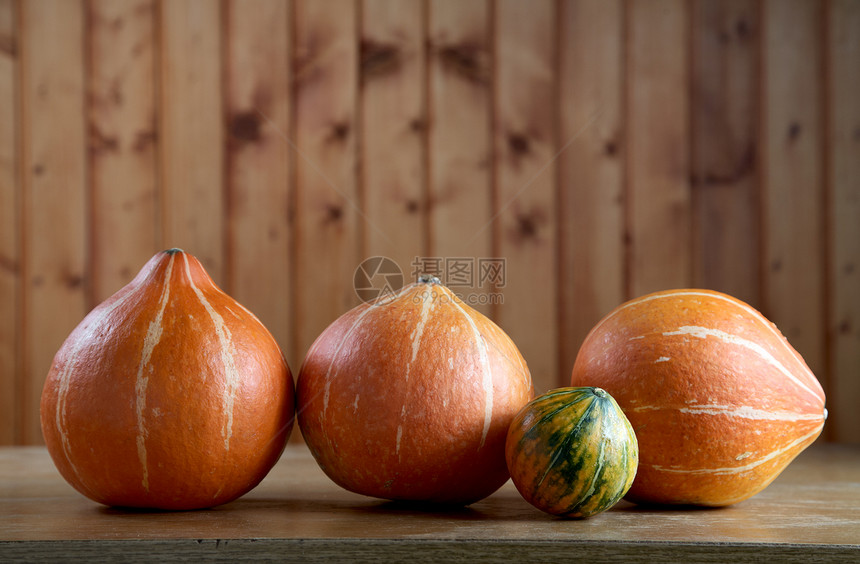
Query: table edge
417, 550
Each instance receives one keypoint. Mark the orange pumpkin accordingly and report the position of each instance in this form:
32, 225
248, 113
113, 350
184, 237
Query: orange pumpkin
168, 395
719, 400
411, 398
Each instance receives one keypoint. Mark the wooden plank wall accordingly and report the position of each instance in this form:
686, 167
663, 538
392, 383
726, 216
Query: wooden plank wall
10, 309
603, 148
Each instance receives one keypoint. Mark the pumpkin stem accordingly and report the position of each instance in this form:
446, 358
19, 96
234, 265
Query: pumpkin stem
428, 279
174, 250
599, 392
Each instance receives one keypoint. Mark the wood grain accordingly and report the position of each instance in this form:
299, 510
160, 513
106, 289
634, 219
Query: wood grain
657, 129
54, 176
792, 183
699, 142
122, 131
329, 219
725, 153
461, 75
374, 550
258, 64
808, 514
525, 228
843, 164
591, 198
10, 195
192, 148
393, 117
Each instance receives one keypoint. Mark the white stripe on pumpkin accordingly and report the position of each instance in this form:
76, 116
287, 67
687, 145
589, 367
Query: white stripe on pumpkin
98, 317
230, 372
152, 338
427, 303
328, 375
368, 307
799, 442
397, 443
487, 380
764, 354
751, 311
739, 411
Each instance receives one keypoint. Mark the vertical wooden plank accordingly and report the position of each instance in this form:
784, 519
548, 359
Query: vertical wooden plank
54, 188
192, 187
792, 176
591, 173
844, 218
122, 137
725, 159
327, 202
460, 189
525, 228
658, 149
9, 199
258, 114
393, 125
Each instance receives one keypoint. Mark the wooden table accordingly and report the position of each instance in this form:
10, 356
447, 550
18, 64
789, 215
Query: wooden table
810, 513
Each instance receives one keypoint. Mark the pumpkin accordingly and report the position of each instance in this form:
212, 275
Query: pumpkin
571, 452
719, 400
168, 395
410, 398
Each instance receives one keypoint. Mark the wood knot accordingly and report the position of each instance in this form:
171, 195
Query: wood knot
793, 131
378, 59
744, 167
339, 131
610, 149
527, 224
518, 144
102, 143
418, 125
627, 238
8, 264
246, 126
72, 280
412, 206
466, 59
333, 213
7, 45
143, 140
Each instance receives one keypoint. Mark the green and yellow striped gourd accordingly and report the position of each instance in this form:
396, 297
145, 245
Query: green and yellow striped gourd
571, 452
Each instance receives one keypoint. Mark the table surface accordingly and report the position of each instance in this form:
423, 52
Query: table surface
811, 512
